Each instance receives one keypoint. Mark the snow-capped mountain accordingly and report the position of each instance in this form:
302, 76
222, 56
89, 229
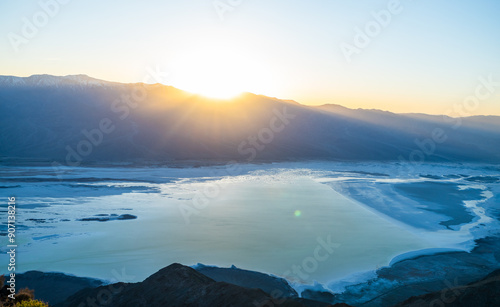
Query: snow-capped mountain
52, 81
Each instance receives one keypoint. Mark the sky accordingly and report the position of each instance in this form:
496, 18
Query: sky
426, 56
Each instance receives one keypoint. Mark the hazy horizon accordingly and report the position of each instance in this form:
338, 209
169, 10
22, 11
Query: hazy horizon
278, 98
400, 56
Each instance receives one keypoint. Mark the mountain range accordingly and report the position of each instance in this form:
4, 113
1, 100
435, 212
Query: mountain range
76, 119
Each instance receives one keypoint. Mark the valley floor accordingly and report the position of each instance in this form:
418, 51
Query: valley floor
324, 226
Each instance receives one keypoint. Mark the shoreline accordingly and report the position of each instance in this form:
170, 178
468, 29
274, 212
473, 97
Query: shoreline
406, 256
316, 172
387, 280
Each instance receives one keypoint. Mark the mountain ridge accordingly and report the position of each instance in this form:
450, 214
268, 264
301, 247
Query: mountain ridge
178, 285
83, 79
64, 119
42, 80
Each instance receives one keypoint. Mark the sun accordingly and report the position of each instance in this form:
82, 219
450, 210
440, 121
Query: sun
214, 72
217, 69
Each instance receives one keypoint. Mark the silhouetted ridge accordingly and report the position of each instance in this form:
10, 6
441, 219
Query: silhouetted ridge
178, 285
75, 120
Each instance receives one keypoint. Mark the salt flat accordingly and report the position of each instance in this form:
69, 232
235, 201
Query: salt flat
304, 221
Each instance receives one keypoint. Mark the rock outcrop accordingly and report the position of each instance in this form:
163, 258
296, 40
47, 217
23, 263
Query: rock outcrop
483, 293
178, 285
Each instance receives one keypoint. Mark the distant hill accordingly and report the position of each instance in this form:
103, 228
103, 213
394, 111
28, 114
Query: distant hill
77, 119
178, 285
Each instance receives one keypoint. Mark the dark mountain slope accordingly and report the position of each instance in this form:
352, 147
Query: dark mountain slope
483, 293
178, 285
77, 119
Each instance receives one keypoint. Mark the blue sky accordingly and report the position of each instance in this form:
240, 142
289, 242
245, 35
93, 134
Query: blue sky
428, 58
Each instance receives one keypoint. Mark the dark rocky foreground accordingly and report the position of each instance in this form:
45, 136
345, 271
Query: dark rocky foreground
178, 285
54, 287
485, 292
277, 287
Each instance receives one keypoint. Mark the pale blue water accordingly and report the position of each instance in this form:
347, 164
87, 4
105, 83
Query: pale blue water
291, 220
